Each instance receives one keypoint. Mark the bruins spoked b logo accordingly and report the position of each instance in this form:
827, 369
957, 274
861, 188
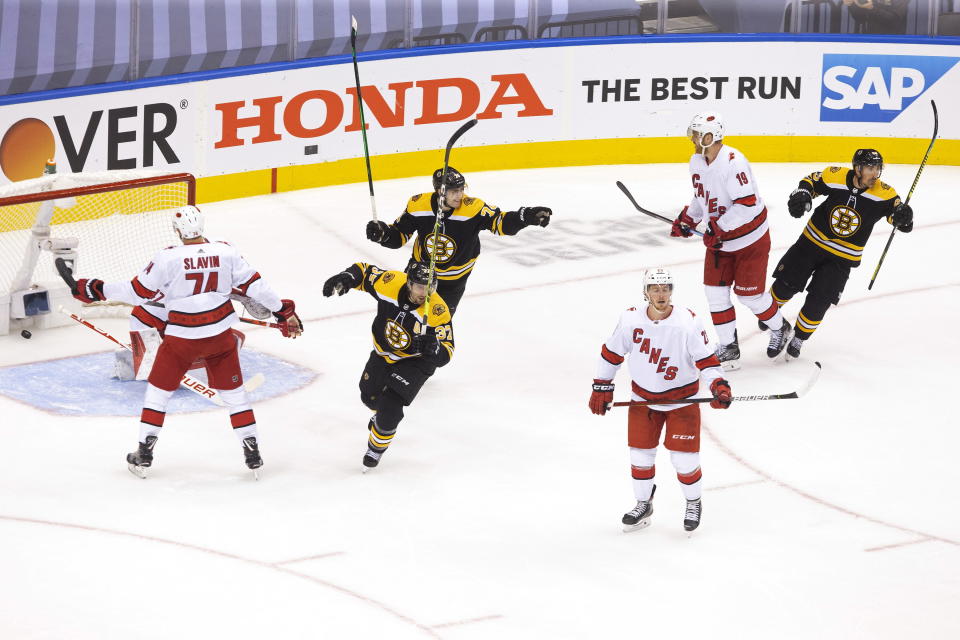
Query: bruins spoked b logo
397, 337
844, 221
446, 247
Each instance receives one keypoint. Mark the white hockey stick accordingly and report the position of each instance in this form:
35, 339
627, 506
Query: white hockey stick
187, 381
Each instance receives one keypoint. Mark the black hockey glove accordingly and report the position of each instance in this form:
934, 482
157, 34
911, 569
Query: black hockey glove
800, 202
539, 216
376, 230
428, 346
902, 218
340, 283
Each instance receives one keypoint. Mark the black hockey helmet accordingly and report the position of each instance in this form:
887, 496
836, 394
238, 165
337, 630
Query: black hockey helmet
419, 273
867, 158
455, 179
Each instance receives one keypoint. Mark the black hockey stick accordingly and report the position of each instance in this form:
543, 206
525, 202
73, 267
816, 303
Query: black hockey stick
363, 124
923, 163
770, 396
658, 216
66, 273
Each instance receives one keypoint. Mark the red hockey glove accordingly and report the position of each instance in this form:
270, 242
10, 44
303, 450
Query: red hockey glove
601, 397
289, 321
712, 237
722, 396
682, 225
89, 290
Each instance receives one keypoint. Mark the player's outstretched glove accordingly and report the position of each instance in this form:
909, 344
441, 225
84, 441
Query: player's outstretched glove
289, 321
535, 216
376, 230
712, 237
89, 290
800, 202
601, 397
683, 225
722, 396
902, 218
340, 283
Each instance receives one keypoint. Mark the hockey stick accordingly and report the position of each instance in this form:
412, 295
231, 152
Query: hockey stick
923, 163
363, 124
261, 323
439, 212
627, 193
770, 396
66, 273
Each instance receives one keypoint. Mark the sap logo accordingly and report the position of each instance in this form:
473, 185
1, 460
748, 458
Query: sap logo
875, 88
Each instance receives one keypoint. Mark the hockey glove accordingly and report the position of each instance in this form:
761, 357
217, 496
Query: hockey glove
712, 237
800, 202
289, 321
340, 283
683, 225
376, 230
722, 396
601, 397
902, 218
89, 290
535, 216
429, 348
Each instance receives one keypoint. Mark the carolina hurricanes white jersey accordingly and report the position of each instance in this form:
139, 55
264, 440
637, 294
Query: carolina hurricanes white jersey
193, 281
726, 190
667, 358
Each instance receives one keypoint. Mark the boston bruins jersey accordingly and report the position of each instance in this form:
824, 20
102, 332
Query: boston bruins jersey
397, 321
459, 235
841, 224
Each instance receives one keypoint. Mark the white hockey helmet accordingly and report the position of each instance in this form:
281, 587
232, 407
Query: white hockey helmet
188, 221
707, 122
657, 275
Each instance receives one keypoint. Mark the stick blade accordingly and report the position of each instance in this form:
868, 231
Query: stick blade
802, 391
353, 24
66, 273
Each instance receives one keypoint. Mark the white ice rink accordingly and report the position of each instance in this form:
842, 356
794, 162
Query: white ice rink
496, 511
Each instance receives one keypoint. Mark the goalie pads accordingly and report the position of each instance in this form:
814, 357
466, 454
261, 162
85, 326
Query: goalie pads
253, 307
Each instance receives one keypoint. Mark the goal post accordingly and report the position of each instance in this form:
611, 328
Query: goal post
107, 224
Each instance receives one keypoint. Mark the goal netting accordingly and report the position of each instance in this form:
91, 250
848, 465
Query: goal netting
119, 220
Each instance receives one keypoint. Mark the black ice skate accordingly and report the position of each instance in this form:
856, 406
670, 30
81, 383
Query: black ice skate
778, 340
729, 354
371, 459
639, 517
251, 455
691, 517
140, 460
793, 349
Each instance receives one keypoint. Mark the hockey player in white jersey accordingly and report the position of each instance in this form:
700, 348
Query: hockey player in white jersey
195, 279
726, 197
669, 355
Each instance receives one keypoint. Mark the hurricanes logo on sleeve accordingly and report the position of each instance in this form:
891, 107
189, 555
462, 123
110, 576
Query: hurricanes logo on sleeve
844, 221
445, 247
397, 337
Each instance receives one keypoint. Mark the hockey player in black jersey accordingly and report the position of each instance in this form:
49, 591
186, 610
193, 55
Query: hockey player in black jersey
403, 355
458, 244
832, 242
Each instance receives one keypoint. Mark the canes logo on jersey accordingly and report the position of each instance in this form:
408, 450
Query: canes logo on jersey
445, 247
397, 337
844, 221
876, 88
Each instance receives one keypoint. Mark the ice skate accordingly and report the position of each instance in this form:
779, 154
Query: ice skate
691, 517
729, 354
779, 339
371, 459
251, 455
140, 460
639, 517
793, 349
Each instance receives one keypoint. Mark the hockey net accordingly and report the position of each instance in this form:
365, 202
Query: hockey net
119, 220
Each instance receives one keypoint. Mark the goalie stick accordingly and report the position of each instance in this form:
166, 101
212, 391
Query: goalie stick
658, 216
799, 393
923, 163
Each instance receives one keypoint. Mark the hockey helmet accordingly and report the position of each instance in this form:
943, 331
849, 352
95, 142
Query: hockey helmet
454, 179
706, 122
658, 275
419, 273
867, 158
188, 221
